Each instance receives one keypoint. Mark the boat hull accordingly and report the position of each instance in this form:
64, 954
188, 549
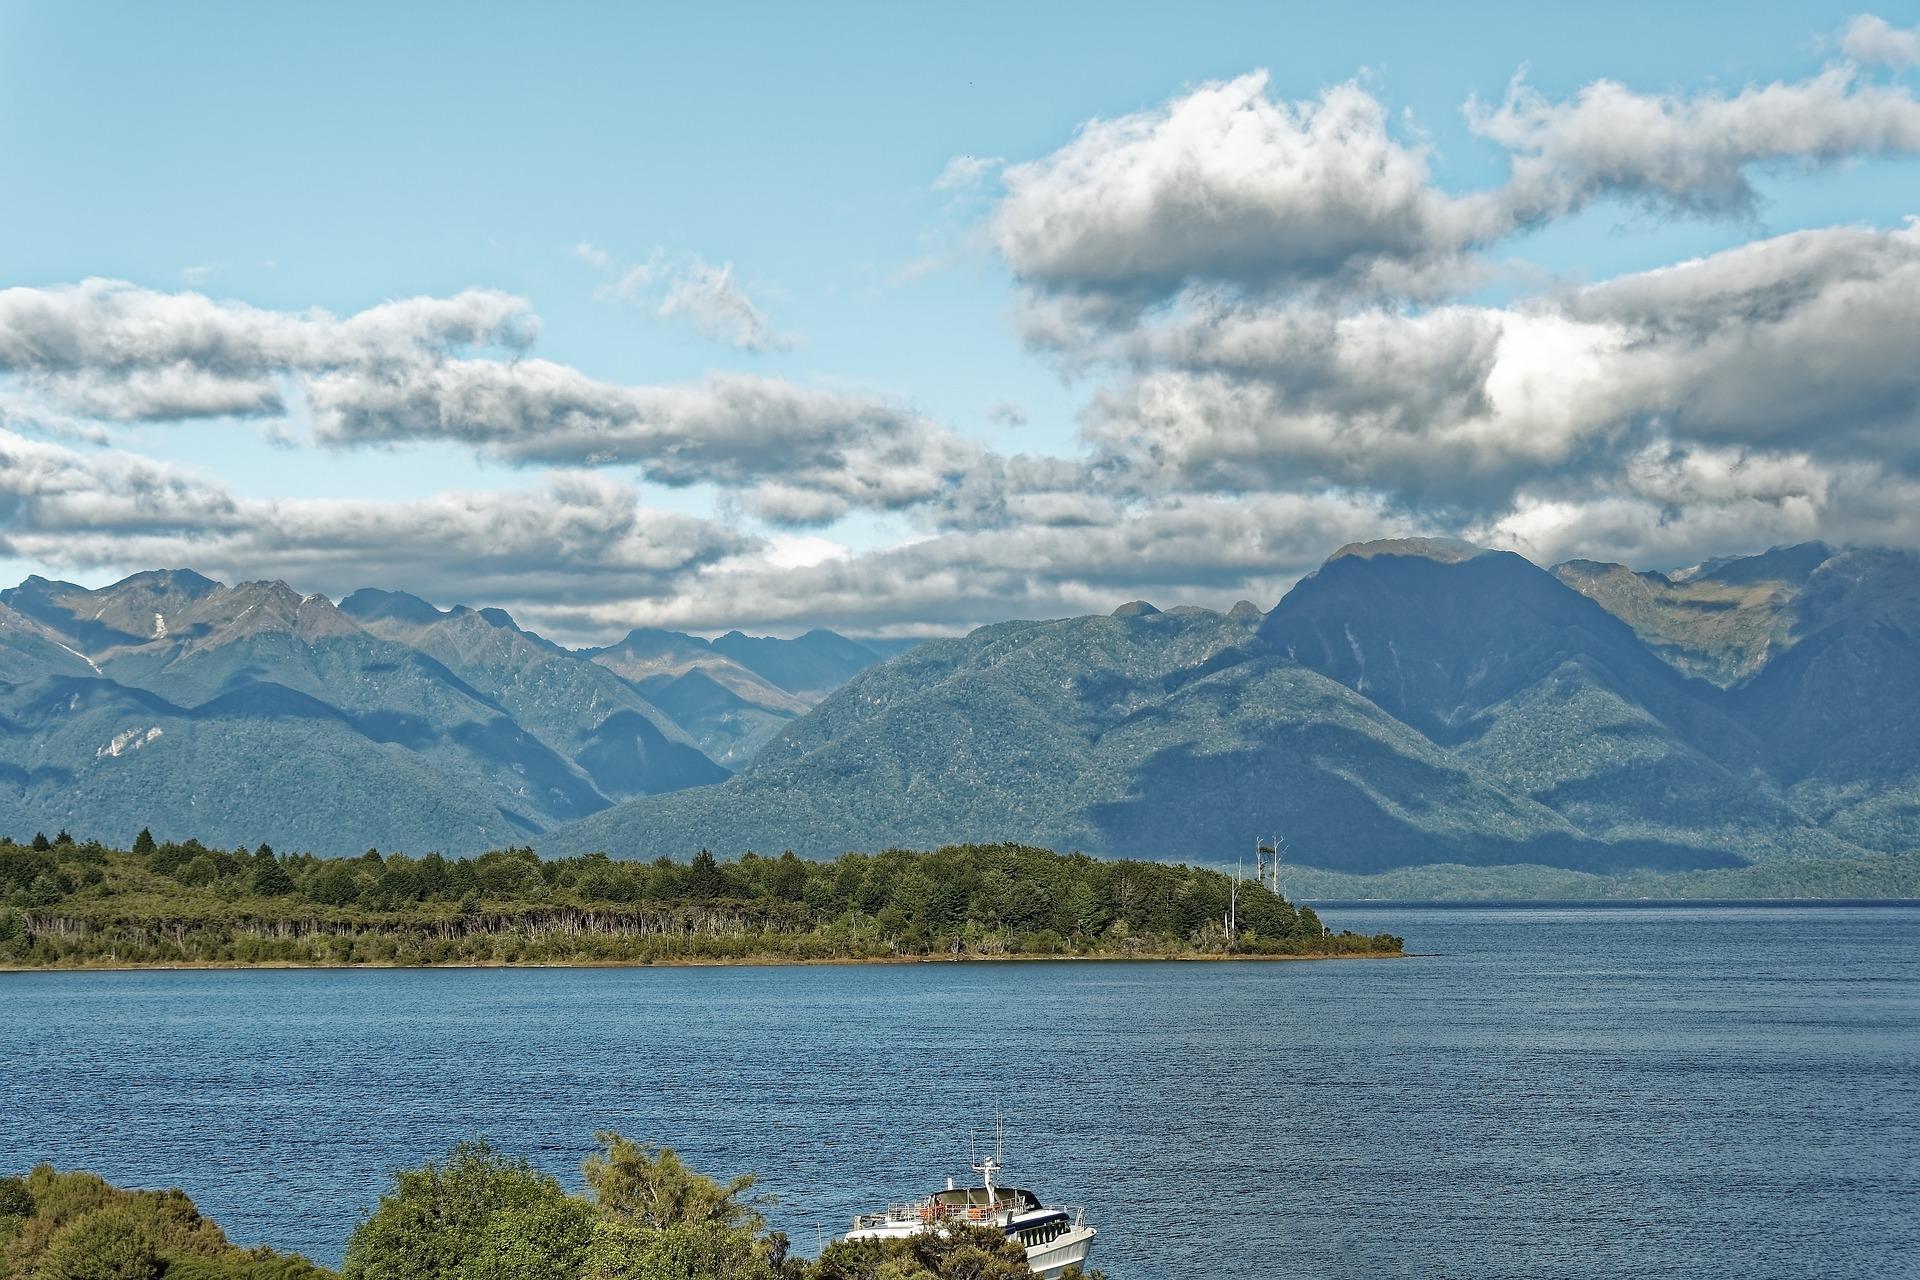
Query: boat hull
1048, 1260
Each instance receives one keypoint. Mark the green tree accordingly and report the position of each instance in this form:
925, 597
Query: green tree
334, 887
1087, 909
114, 1242
443, 1220
651, 1187
15, 1200
270, 879
659, 1220
686, 1251
703, 877
200, 871
545, 1240
143, 845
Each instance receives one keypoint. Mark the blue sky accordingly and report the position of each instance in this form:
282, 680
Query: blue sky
341, 156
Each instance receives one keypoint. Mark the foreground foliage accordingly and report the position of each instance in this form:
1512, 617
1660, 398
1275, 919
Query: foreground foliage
75, 1226
479, 1214
67, 903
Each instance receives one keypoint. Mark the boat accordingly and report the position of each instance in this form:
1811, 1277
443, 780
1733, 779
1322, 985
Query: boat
1055, 1237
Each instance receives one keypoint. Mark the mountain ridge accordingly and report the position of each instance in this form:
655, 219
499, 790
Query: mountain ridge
205, 710
1411, 701
1431, 701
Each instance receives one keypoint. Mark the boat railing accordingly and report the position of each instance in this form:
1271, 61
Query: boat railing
930, 1212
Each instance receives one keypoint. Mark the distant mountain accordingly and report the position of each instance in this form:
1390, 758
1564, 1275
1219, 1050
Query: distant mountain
1411, 702
734, 694
1840, 706
251, 712
1721, 621
605, 726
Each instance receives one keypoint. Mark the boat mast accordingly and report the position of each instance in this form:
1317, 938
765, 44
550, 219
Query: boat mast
992, 1164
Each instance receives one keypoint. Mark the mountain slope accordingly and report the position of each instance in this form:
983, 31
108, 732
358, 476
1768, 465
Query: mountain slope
1411, 702
1544, 692
252, 709
1163, 733
572, 707
1722, 621
1841, 707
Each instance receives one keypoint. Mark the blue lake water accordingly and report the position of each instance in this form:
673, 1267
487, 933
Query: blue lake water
1552, 1092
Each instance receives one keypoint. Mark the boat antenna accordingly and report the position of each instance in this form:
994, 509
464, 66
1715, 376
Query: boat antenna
990, 1165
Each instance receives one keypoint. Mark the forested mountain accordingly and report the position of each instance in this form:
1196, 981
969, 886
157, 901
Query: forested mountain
252, 712
1411, 702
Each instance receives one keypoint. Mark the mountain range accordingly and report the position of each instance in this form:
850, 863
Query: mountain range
252, 712
1412, 702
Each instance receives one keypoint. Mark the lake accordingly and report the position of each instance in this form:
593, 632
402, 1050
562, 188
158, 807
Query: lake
1545, 1091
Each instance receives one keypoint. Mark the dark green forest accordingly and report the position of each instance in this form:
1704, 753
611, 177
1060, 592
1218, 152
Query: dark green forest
479, 1214
70, 903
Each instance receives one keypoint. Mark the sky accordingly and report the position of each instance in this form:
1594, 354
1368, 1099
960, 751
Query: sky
900, 320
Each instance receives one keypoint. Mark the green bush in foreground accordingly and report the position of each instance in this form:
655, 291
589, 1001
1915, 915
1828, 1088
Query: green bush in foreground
76, 1226
479, 1214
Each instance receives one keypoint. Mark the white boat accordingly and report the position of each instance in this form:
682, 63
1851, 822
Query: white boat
1056, 1237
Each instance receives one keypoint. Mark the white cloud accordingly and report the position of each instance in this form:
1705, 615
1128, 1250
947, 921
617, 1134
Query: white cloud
1227, 186
1687, 153
688, 288
455, 369
1225, 189
576, 537
712, 300
1872, 39
1805, 341
806, 455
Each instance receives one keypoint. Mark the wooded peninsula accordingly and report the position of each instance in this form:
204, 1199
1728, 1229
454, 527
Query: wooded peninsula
71, 904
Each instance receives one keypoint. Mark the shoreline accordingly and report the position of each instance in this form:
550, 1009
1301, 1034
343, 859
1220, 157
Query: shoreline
747, 962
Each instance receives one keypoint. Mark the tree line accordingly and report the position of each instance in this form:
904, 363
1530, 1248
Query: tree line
480, 1214
157, 902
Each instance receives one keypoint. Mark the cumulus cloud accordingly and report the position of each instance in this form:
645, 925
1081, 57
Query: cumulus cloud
1204, 547
1675, 504
457, 369
1872, 39
805, 455
114, 350
1694, 154
1270, 299
1227, 186
576, 537
1226, 189
1800, 341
